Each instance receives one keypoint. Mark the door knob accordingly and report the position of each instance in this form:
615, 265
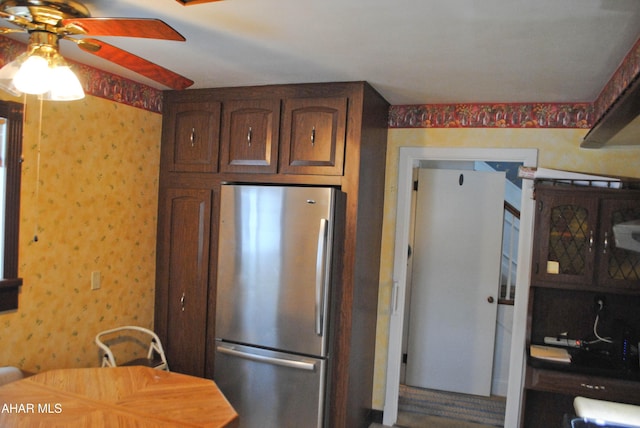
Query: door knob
490, 299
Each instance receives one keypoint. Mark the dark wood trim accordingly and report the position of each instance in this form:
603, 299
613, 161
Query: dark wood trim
9, 290
511, 209
11, 283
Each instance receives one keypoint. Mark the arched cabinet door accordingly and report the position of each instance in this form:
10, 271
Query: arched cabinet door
249, 141
313, 136
191, 133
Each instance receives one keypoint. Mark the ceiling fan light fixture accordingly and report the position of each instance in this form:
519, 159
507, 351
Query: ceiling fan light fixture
41, 71
64, 84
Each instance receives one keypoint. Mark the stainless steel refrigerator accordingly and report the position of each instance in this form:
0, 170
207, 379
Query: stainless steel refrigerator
272, 309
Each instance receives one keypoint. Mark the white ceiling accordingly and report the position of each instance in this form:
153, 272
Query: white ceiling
412, 51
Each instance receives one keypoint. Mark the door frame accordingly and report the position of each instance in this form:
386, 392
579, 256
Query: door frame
410, 158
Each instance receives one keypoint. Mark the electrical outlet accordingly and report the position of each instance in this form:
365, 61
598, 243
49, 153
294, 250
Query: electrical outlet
95, 280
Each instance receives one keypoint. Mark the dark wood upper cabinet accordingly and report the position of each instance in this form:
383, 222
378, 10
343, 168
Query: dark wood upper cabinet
313, 135
566, 227
249, 141
191, 132
575, 241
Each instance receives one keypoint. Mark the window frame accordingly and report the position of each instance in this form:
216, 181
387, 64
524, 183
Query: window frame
10, 283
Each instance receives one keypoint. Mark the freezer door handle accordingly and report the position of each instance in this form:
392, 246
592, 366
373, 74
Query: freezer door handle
320, 273
301, 365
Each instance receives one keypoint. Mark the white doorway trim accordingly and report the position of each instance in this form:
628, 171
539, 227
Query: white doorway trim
410, 158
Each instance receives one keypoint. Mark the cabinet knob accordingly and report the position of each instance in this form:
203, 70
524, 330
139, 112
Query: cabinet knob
490, 299
313, 136
249, 136
192, 137
182, 302
606, 243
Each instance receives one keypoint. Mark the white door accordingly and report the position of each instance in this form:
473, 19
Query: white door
455, 280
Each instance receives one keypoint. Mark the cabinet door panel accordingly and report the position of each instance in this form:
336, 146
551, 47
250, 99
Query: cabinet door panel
618, 267
566, 238
313, 136
250, 132
183, 271
194, 135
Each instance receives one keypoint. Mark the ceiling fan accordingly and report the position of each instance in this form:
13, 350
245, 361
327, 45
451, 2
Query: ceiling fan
48, 21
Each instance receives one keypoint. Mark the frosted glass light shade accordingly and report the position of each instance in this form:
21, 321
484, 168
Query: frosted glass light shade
8, 73
65, 85
34, 76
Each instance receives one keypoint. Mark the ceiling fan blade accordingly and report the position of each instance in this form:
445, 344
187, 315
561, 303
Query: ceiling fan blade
134, 63
124, 27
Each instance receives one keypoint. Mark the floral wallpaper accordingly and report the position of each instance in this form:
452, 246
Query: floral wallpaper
89, 195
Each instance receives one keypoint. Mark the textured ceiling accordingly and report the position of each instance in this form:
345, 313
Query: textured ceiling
413, 52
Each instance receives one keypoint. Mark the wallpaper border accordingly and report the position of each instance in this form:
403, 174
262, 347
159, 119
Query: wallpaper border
470, 115
497, 115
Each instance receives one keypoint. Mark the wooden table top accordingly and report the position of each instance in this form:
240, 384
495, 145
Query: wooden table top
136, 397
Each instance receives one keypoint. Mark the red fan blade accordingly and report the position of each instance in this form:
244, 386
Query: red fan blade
125, 27
134, 63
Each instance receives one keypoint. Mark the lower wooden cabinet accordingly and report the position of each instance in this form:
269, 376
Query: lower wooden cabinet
549, 394
183, 266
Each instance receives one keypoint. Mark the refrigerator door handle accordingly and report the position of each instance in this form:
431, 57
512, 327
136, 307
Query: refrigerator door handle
320, 273
301, 365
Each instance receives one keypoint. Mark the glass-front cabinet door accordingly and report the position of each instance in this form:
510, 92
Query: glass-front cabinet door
567, 240
619, 264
